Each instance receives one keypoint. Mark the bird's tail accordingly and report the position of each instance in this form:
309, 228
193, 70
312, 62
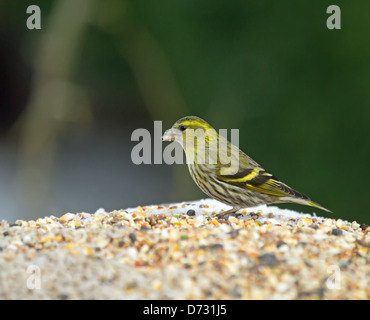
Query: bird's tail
316, 205
307, 202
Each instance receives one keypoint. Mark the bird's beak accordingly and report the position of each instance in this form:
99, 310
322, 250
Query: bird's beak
172, 135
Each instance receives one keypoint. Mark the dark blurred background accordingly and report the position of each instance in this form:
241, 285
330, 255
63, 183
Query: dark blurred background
72, 93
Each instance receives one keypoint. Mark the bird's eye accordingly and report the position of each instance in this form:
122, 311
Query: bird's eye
182, 128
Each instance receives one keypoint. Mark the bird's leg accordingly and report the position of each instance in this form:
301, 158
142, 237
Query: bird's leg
222, 214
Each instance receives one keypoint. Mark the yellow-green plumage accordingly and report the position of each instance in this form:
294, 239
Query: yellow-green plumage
227, 174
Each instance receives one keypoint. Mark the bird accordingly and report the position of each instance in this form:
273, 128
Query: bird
225, 173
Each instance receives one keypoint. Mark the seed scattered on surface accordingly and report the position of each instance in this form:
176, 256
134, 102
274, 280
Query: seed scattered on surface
267, 259
190, 212
280, 243
216, 246
314, 226
337, 232
132, 237
184, 237
122, 255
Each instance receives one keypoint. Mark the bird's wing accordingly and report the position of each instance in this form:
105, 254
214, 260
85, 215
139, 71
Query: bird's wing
245, 173
248, 174
257, 179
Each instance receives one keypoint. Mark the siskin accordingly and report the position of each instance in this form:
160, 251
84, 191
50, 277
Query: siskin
227, 174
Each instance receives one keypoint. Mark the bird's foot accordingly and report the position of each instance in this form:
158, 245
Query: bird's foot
223, 214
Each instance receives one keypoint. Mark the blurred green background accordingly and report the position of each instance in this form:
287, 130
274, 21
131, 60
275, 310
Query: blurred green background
72, 93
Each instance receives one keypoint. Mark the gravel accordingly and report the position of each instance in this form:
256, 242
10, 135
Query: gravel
162, 252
